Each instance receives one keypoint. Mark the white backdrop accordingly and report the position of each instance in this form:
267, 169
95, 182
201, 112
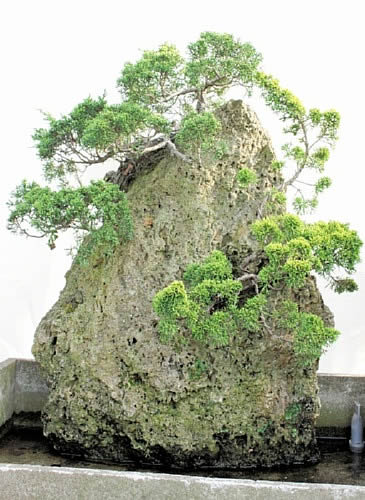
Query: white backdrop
54, 54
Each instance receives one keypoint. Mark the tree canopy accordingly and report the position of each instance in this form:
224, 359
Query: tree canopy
167, 101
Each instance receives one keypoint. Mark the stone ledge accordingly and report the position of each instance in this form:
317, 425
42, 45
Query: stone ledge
22, 388
31, 390
26, 481
7, 389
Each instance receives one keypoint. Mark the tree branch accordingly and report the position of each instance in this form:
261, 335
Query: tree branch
299, 170
195, 90
167, 143
250, 277
175, 152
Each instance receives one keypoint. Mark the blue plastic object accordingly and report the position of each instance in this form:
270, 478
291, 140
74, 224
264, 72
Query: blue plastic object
356, 441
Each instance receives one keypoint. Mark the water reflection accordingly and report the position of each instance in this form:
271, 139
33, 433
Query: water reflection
339, 466
357, 465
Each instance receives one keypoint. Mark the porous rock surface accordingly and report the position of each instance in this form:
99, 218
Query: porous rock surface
116, 392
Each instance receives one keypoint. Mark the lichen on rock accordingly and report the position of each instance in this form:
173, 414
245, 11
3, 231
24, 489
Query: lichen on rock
118, 393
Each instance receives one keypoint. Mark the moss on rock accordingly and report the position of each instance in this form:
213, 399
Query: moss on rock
116, 392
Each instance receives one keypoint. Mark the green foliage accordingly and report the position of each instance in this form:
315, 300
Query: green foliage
221, 61
311, 336
166, 83
277, 165
322, 184
92, 133
278, 229
68, 128
172, 301
341, 285
312, 131
276, 201
208, 309
220, 149
319, 158
150, 81
292, 412
335, 245
246, 176
100, 210
166, 99
198, 130
279, 99
296, 272
120, 122
214, 63
198, 369
303, 206
226, 289
170, 101
249, 316
294, 249
167, 329
215, 267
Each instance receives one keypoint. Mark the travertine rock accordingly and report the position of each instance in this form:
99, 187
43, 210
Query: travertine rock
116, 392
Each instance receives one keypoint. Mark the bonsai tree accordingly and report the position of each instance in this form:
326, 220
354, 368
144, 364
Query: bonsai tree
169, 103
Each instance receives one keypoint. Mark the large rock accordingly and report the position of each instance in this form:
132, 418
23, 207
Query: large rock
118, 393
